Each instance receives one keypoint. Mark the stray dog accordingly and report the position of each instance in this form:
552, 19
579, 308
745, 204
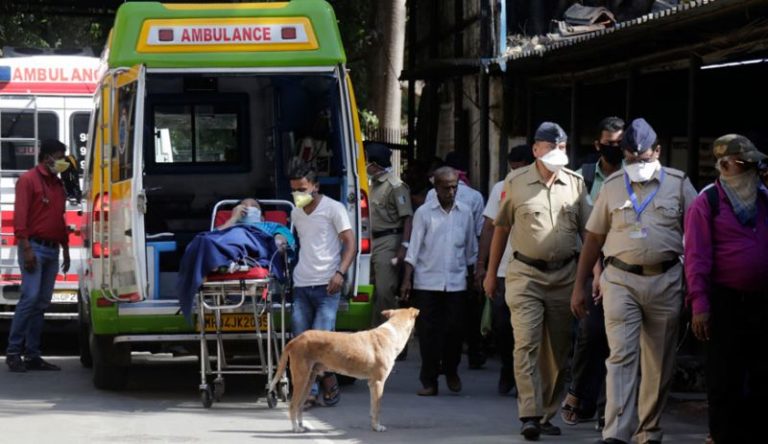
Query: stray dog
368, 354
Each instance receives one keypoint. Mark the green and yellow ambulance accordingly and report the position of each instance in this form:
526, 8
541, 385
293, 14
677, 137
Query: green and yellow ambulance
201, 103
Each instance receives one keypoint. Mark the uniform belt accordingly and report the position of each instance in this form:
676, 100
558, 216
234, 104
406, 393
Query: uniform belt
45, 243
643, 270
381, 233
542, 264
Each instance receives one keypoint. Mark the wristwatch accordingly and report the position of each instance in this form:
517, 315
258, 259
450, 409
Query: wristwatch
340, 274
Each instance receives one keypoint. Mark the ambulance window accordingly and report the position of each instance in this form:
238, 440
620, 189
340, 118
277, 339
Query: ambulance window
79, 136
19, 126
193, 131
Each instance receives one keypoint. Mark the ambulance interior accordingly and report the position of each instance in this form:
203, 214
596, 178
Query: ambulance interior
209, 138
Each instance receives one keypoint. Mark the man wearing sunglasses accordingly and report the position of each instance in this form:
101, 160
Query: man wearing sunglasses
637, 222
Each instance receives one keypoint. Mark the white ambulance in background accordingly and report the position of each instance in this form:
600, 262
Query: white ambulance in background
43, 96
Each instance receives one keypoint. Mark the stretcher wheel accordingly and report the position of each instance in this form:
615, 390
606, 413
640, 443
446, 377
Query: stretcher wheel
206, 397
218, 389
271, 399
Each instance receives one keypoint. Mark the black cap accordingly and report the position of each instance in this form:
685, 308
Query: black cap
639, 137
379, 154
550, 132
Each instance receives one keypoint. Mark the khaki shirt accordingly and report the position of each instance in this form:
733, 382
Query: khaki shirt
545, 221
662, 220
390, 202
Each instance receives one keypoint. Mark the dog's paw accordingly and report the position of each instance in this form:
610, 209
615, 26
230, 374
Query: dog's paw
379, 428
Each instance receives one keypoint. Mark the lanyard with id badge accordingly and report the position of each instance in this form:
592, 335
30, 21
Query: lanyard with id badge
639, 231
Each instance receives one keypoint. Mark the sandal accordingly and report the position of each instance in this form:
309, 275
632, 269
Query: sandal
331, 390
569, 411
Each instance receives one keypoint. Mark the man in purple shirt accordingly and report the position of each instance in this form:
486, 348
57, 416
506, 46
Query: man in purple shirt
726, 264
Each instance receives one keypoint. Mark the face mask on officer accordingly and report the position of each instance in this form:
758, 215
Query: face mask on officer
642, 171
554, 160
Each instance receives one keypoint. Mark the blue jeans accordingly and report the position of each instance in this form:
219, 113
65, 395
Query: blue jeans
313, 309
36, 292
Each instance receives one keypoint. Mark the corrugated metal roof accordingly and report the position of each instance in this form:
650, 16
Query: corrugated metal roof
619, 27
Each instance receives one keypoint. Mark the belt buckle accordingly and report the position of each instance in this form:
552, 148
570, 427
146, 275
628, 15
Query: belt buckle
651, 270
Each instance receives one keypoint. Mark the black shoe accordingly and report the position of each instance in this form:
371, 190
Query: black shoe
15, 364
39, 363
427, 391
548, 428
531, 430
454, 383
505, 385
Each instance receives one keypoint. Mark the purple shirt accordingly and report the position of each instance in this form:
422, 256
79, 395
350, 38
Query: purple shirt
732, 255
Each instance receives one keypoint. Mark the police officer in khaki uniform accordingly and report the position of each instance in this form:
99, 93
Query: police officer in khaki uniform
391, 215
545, 207
637, 222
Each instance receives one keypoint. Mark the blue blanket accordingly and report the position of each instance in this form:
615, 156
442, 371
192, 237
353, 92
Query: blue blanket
211, 250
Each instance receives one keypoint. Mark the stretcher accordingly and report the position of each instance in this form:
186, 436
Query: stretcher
243, 303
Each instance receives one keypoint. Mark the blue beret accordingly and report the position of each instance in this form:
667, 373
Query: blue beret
379, 154
638, 137
550, 132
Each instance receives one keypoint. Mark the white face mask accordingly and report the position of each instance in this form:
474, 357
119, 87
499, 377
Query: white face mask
554, 160
642, 171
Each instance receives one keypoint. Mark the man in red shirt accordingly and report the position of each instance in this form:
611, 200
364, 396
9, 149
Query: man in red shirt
40, 230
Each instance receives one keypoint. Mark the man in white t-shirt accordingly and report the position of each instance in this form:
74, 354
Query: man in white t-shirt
519, 156
327, 250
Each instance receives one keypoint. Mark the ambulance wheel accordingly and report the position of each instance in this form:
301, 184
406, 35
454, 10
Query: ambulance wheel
206, 397
218, 389
271, 399
110, 362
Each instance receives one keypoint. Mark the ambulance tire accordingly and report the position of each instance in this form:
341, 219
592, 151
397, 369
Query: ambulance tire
83, 335
110, 362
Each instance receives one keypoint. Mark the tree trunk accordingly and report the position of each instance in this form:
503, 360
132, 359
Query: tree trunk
386, 63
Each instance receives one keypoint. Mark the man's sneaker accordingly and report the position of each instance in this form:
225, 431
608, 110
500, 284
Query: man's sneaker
548, 428
15, 363
531, 430
39, 363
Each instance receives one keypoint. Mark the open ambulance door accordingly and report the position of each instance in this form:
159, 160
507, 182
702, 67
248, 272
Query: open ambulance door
126, 272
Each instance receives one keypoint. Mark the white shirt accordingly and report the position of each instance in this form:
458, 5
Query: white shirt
471, 198
442, 245
491, 211
320, 246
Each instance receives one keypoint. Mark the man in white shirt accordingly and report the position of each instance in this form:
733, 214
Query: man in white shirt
519, 156
443, 244
327, 250
472, 199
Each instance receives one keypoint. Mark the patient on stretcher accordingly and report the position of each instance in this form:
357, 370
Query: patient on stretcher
248, 212
245, 239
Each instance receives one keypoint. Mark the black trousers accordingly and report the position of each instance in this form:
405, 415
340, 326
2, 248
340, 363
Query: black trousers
589, 355
737, 365
503, 335
440, 334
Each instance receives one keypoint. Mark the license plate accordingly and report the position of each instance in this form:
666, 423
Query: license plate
235, 322
64, 297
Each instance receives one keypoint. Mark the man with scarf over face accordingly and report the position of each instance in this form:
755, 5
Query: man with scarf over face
726, 262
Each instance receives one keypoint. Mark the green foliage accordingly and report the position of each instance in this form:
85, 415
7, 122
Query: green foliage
53, 31
356, 25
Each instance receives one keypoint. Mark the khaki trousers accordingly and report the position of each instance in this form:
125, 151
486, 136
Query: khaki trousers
539, 304
641, 322
386, 277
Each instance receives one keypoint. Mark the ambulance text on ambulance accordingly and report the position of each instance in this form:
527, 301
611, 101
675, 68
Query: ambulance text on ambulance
54, 74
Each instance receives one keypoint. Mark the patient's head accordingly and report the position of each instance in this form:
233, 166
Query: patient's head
251, 211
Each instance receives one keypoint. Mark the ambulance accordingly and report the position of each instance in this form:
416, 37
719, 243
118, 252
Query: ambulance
202, 103
42, 96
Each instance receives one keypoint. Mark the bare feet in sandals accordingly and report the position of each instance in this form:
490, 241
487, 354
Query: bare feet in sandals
331, 391
569, 410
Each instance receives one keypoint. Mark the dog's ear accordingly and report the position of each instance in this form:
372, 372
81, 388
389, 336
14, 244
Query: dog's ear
388, 313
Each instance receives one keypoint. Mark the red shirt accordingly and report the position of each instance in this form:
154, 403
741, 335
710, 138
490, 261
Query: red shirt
40, 206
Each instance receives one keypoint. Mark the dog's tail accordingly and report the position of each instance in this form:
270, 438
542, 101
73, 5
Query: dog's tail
280, 368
